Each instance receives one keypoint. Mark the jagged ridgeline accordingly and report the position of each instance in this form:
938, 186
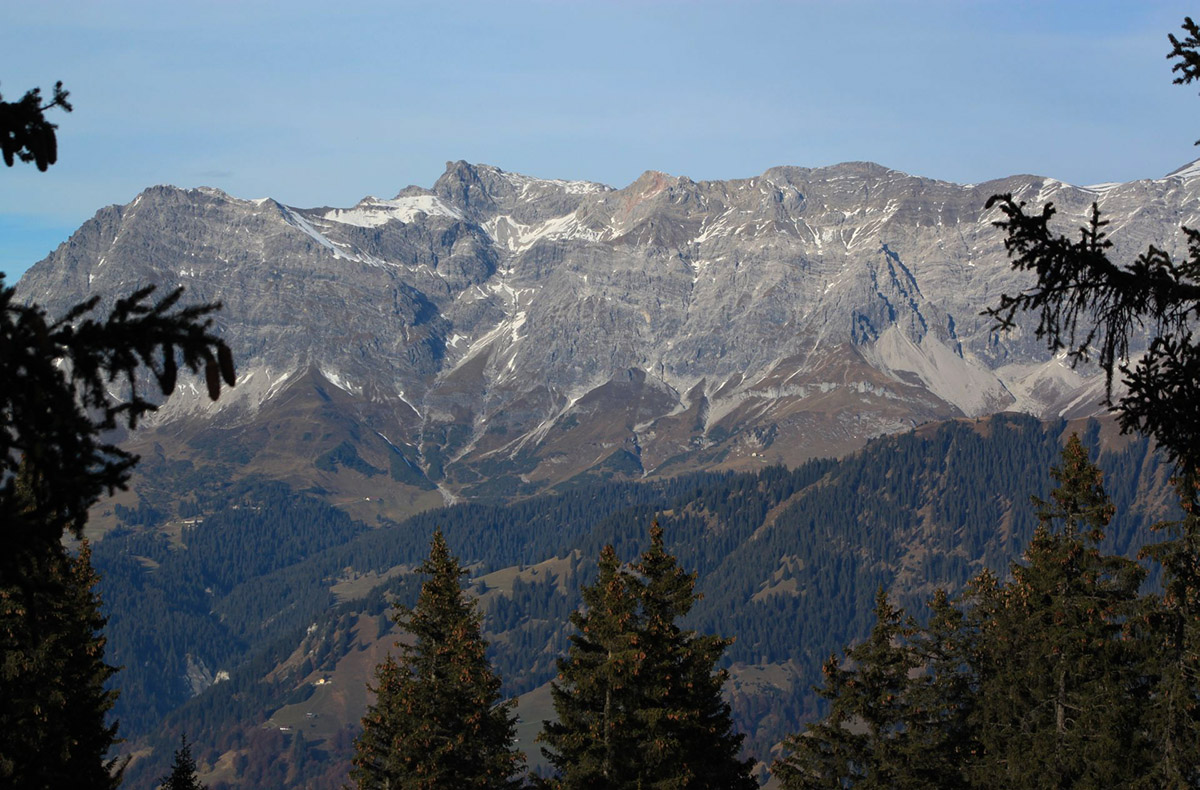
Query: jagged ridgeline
283, 600
498, 334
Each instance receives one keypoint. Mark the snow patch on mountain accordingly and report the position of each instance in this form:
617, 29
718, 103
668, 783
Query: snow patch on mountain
404, 399
339, 380
515, 237
373, 212
255, 386
1185, 173
294, 219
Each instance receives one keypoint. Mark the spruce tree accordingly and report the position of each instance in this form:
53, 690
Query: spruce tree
54, 728
1056, 675
53, 719
941, 742
591, 742
1171, 637
638, 698
862, 741
438, 722
183, 770
688, 740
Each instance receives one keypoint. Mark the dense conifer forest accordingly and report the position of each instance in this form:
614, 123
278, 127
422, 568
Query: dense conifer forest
788, 564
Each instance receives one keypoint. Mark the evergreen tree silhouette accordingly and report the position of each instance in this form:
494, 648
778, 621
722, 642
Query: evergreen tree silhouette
53, 700
862, 742
183, 770
25, 134
57, 402
1056, 674
638, 698
593, 738
438, 721
1171, 641
1087, 304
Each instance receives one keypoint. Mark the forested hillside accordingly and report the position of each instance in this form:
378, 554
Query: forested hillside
279, 590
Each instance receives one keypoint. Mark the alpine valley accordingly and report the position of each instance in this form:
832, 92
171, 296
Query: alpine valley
790, 371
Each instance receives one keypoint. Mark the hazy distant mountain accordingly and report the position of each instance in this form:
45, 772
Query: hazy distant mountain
499, 334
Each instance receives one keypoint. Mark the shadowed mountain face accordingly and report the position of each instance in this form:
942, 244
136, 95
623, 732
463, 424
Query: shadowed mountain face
499, 334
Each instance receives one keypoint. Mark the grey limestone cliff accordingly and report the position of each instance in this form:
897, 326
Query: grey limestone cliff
500, 333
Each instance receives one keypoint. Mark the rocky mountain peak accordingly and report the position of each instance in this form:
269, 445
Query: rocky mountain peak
464, 187
484, 192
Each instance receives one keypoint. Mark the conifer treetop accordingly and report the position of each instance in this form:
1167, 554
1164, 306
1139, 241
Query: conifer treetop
438, 720
183, 770
638, 698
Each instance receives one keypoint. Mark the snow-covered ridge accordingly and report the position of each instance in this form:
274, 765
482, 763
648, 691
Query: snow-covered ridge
339, 249
524, 183
372, 212
1185, 173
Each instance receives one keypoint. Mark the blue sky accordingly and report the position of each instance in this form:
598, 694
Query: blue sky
315, 104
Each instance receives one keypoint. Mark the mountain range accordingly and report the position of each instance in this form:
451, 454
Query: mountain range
497, 335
